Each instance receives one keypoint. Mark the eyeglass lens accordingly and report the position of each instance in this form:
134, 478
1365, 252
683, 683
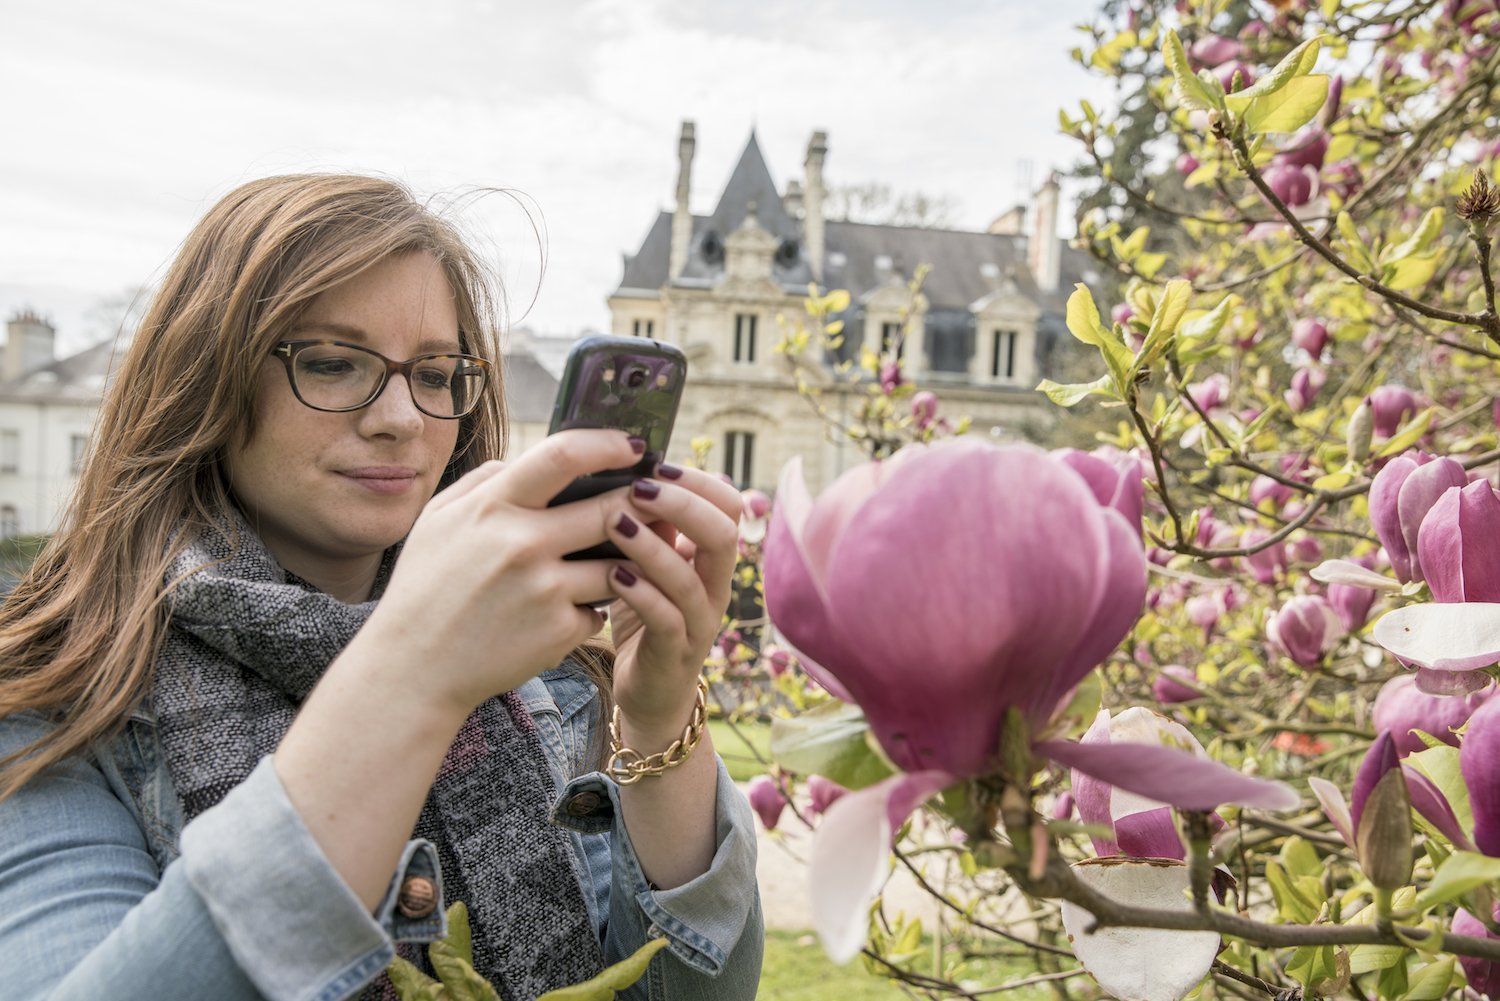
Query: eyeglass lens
343, 377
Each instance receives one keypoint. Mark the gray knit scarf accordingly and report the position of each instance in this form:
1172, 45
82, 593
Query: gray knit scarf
246, 645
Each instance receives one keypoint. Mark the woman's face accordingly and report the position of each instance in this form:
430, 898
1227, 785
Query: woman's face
329, 492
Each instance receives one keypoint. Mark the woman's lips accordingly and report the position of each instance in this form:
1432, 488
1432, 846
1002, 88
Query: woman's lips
383, 479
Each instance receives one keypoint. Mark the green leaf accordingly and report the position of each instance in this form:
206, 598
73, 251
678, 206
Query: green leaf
1297, 63
1462, 872
411, 983
1369, 958
1358, 252
1200, 326
1408, 435
1084, 323
1300, 858
1440, 764
1289, 108
461, 979
1192, 90
1431, 981
1067, 394
1291, 903
1427, 231
614, 978
828, 740
1410, 272
459, 935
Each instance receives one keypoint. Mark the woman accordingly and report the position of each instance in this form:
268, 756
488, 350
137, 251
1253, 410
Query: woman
229, 772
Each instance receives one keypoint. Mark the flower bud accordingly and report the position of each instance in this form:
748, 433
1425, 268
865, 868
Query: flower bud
1293, 185
890, 376
1401, 495
1306, 548
823, 792
766, 799
924, 408
1186, 164
1168, 690
1306, 149
755, 503
1264, 564
1215, 50
1330, 112
1310, 335
1391, 405
778, 660
1263, 489
1358, 434
1458, 541
1304, 629
1380, 811
1229, 71
1352, 604
1211, 392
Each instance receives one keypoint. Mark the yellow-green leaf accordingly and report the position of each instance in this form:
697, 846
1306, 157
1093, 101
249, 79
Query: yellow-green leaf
411, 983
1369, 958
1083, 322
614, 978
1462, 872
1289, 108
1410, 273
1297, 63
1202, 325
1332, 481
1431, 981
1066, 395
1192, 91
1427, 231
1407, 435
459, 935
461, 979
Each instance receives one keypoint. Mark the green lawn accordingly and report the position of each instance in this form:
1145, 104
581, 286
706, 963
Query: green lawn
737, 745
796, 969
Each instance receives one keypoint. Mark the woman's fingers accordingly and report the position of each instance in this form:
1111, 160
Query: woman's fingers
542, 471
467, 483
711, 531
722, 495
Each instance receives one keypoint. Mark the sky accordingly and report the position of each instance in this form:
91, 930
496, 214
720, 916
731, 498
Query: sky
126, 122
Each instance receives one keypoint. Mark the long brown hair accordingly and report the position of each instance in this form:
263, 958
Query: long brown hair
81, 631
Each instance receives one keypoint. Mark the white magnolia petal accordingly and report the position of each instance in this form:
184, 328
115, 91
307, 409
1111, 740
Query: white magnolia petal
851, 856
1351, 573
1139, 964
1331, 798
1448, 637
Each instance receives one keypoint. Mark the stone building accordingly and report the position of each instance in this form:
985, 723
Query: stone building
981, 334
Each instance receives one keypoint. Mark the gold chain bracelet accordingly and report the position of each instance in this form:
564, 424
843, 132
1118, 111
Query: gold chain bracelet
627, 765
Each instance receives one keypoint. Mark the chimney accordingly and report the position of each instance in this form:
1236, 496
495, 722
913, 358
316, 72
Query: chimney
682, 215
792, 200
1008, 223
1044, 250
28, 344
812, 202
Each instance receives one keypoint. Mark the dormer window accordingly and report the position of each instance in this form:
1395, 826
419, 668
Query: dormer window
891, 341
1003, 357
644, 328
744, 337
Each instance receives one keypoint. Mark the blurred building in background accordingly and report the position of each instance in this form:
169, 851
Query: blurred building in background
980, 333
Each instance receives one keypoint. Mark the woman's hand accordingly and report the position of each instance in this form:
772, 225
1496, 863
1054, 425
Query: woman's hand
481, 599
682, 541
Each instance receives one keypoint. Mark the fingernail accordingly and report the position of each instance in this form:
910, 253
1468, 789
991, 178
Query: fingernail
668, 471
626, 526
624, 576
645, 489
638, 445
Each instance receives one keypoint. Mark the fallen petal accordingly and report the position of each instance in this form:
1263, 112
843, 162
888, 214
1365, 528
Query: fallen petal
851, 852
1139, 964
1170, 776
1447, 637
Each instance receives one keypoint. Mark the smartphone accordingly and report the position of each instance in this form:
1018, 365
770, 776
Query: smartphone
629, 383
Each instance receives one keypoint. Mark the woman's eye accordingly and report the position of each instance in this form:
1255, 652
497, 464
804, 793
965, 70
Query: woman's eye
431, 378
327, 367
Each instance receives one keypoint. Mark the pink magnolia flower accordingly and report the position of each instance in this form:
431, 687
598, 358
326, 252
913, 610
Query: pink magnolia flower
1186, 164
924, 408
890, 376
1306, 384
1266, 563
778, 660
1401, 494
823, 792
942, 598
1204, 610
1215, 50
1402, 707
1263, 488
1310, 335
1305, 628
1211, 392
756, 509
1293, 185
1351, 603
1483, 974
1228, 71
1115, 477
1392, 405
766, 799
1167, 689
1142, 827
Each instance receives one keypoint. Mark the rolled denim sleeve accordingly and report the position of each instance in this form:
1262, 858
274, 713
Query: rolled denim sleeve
289, 919
86, 914
713, 923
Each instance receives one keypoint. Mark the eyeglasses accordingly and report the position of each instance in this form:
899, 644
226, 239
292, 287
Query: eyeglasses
338, 377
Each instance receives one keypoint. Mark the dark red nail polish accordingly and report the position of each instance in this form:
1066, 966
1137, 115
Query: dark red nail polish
626, 526
645, 489
624, 576
669, 472
638, 445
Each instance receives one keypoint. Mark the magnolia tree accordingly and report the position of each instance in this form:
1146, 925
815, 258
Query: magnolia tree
1205, 707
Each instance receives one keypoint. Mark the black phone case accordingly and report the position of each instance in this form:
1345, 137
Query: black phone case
629, 383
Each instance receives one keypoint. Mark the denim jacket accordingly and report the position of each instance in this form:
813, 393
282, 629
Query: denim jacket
104, 893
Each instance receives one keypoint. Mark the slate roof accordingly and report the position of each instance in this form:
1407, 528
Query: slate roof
76, 378
530, 389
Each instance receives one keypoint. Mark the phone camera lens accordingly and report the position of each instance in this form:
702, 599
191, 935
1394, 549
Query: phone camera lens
635, 377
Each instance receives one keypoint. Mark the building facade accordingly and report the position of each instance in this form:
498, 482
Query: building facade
721, 286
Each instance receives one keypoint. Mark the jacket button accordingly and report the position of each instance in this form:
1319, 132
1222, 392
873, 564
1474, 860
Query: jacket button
418, 897
582, 804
